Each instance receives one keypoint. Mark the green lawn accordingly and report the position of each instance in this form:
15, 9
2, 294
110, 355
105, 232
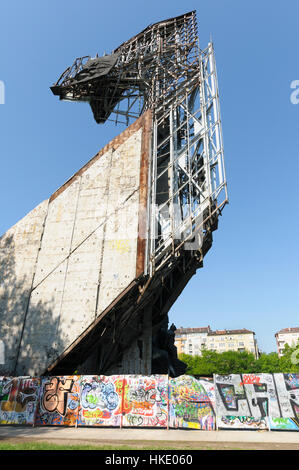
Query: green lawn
52, 446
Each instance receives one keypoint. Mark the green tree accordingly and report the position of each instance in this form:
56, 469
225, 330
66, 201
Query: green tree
211, 362
289, 362
235, 362
268, 363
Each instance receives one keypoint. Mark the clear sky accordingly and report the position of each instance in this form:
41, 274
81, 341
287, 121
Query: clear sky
250, 276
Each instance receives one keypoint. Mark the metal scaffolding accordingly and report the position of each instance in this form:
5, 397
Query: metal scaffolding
142, 73
188, 184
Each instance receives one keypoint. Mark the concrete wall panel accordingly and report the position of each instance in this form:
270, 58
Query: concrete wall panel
41, 343
19, 248
58, 232
72, 256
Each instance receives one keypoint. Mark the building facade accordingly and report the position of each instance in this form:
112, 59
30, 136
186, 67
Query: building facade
285, 336
193, 340
233, 340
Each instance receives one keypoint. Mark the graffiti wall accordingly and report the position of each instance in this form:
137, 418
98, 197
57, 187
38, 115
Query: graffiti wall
192, 403
236, 401
257, 401
101, 401
18, 399
59, 401
145, 401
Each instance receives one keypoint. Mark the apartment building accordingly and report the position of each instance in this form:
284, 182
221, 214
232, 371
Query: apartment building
233, 340
285, 336
193, 340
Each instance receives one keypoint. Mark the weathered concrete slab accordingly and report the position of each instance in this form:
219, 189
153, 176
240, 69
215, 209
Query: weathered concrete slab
69, 258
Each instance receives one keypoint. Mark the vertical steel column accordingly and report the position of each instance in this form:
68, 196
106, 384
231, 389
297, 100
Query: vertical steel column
153, 208
203, 108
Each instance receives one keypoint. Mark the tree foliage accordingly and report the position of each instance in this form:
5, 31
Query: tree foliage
235, 362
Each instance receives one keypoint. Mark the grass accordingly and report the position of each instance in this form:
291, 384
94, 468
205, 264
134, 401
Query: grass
51, 446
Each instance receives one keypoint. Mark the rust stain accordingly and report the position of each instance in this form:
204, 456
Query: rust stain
143, 193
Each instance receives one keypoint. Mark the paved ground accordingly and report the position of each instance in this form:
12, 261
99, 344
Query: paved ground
175, 438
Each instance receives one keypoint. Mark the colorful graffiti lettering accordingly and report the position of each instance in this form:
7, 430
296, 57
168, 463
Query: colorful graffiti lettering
145, 401
250, 379
248, 401
18, 398
265, 399
56, 395
288, 424
191, 403
59, 401
100, 401
242, 422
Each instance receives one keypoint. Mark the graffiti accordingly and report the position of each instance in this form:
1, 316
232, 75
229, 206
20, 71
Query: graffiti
291, 381
99, 395
191, 403
122, 246
145, 401
147, 397
18, 400
236, 401
242, 422
100, 400
250, 379
56, 394
230, 397
287, 424
59, 401
271, 398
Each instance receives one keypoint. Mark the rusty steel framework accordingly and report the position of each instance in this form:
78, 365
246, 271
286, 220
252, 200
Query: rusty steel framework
142, 73
188, 185
161, 69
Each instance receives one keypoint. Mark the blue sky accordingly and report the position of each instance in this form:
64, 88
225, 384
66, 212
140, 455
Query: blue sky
250, 276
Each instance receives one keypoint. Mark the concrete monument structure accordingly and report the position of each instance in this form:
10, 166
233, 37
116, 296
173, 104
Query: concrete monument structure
88, 277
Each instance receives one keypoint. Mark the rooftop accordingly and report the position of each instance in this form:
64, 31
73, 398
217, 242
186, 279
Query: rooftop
231, 332
204, 329
288, 330
207, 329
